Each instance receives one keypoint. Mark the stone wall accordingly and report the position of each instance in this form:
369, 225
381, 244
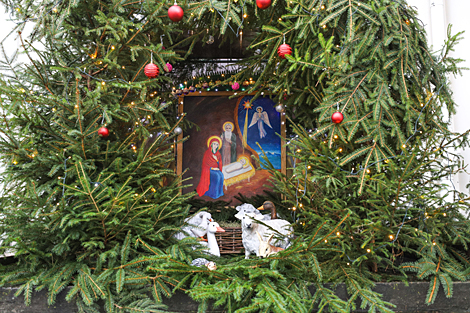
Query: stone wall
406, 298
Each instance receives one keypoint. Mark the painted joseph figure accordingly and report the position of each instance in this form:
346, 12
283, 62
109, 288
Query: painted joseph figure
229, 144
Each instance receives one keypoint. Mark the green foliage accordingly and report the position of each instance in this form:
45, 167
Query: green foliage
99, 214
404, 209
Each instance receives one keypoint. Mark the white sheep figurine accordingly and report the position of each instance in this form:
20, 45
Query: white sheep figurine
250, 228
248, 208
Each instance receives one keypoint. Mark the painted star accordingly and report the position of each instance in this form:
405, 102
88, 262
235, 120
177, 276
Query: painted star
247, 105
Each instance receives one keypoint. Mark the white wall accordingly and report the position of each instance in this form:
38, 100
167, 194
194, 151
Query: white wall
457, 14
437, 15
11, 42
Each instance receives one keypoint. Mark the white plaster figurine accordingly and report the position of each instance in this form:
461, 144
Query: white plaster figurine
195, 226
250, 227
268, 205
212, 246
266, 248
248, 208
204, 262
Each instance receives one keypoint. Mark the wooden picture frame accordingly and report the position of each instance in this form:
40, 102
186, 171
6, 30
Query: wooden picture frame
236, 128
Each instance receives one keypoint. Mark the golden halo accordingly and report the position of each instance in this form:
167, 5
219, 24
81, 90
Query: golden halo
223, 127
214, 137
247, 161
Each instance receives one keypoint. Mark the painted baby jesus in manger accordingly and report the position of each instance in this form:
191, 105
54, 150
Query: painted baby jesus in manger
238, 171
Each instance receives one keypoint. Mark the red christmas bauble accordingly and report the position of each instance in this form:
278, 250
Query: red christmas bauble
337, 117
175, 13
235, 86
263, 4
283, 50
103, 132
151, 70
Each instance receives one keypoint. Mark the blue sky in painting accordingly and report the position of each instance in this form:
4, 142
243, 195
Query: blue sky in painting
271, 144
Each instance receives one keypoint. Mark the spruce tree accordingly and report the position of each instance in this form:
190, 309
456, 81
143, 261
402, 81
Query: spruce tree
98, 214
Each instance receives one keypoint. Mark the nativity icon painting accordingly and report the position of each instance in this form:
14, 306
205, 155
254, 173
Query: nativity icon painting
228, 136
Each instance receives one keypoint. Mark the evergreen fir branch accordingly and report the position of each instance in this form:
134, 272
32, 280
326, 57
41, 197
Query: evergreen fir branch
27, 289
453, 271
327, 299
367, 16
432, 291
446, 283
265, 41
354, 155
144, 306
85, 273
460, 257
334, 14
364, 172
273, 296
355, 127
381, 75
120, 277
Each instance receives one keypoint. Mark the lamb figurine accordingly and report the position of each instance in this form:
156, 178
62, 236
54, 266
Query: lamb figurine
248, 208
250, 227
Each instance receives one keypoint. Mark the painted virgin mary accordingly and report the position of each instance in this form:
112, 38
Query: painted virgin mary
261, 117
211, 183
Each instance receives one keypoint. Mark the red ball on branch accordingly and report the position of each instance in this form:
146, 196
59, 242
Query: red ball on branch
151, 70
263, 4
337, 117
235, 86
103, 132
175, 13
283, 50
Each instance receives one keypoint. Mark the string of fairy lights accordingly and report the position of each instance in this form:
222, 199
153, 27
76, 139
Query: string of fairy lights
293, 151
423, 215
